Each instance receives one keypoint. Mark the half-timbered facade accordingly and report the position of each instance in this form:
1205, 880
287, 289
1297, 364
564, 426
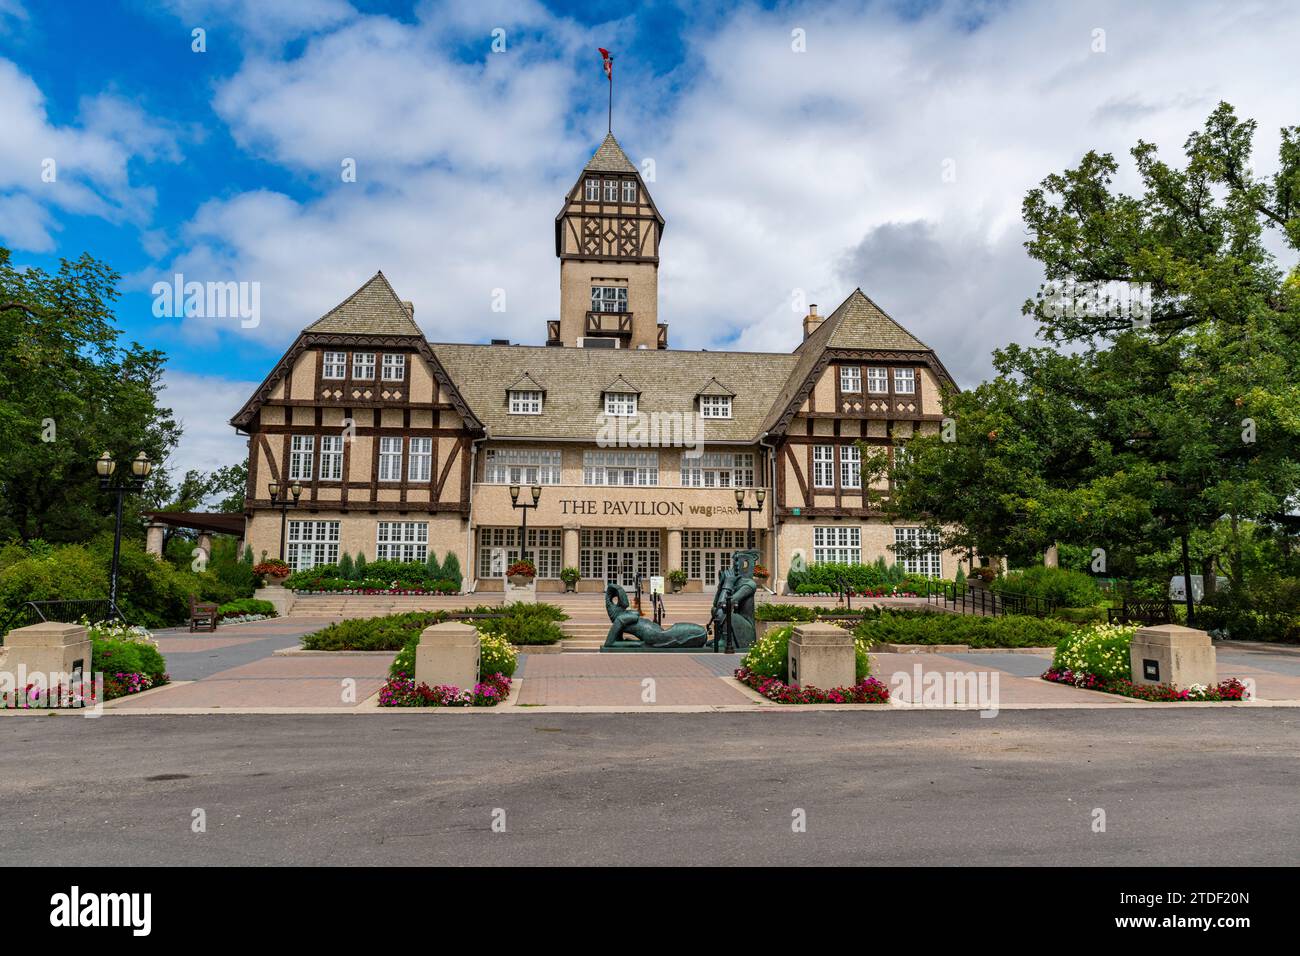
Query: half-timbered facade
402, 447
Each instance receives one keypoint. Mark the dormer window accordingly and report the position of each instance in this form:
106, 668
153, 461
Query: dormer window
629, 190
334, 365
621, 404
850, 378
611, 190
394, 367
904, 381
715, 406
593, 190
525, 402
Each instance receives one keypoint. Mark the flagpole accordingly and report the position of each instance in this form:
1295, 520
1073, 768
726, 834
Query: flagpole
609, 121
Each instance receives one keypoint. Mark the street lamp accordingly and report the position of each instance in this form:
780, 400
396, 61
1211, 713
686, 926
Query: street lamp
288, 501
106, 467
759, 495
523, 524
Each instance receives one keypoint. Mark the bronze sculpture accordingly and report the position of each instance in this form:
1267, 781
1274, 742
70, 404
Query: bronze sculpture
648, 634
736, 588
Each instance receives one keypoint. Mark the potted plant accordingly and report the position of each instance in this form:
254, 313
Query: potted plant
521, 573
761, 574
274, 572
677, 579
981, 577
570, 577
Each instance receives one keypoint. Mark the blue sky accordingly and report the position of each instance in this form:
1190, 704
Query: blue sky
798, 151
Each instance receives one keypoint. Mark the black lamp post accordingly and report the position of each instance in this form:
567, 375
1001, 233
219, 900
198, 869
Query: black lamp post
284, 503
124, 485
759, 495
523, 524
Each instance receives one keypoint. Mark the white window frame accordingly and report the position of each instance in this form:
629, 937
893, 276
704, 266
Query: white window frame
301, 452
609, 299
402, 541
904, 381
331, 457
718, 469
877, 380
715, 406
850, 466
620, 468
390, 458
334, 365
629, 190
310, 543
592, 189
823, 466
363, 366
545, 550
525, 402
420, 460
611, 190
620, 404
394, 367
928, 563
851, 378
837, 544
521, 466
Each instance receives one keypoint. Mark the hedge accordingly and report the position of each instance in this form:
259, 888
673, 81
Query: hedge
925, 627
518, 623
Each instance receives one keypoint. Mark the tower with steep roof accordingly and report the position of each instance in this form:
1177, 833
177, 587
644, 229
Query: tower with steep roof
607, 240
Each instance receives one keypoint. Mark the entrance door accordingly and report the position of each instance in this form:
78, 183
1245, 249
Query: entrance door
620, 568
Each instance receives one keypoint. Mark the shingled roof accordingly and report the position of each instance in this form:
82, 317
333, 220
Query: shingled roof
374, 309
668, 382
610, 158
861, 324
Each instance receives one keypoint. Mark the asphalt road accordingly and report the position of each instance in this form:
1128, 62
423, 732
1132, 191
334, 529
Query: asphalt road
1180, 786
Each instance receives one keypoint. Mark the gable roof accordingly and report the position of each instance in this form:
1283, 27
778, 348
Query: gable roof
374, 309
525, 383
714, 387
609, 158
621, 386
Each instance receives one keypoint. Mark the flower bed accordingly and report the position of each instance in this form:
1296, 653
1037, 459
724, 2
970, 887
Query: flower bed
1231, 689
866, 691
403, 691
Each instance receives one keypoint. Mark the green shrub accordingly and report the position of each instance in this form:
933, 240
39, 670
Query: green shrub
344, 566
783, 612
769, 656
526, 624
1267, 610
246, 606
359, 566
451, 569
1100, 649
496, 656
518, 623
1062, 587
886, 626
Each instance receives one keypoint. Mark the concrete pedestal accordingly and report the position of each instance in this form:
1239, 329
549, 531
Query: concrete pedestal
821, 655
448, 653
520, 594
1172, 654
282, 598
46, 654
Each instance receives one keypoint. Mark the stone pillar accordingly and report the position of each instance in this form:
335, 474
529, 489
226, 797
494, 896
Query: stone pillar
673, 557
205, 544
821, 655
153, 539
448, 653
1172, 654
45, 654
571, 541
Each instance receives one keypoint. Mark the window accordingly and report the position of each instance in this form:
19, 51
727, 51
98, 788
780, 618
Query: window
394, 368
715, 406
331, 458
402, 541
620, 403
629, 190
609, 298
521, 466
878, 381
850, 378
363, 365
904, 381
593, 190
525, 403
917, 551
300, 455
390, 459
620, 468
850, 466
618, 554
718, 469
706, 554
335, 365
309, 543
837, 544
421, 459
498, 548
823, 466
611, 190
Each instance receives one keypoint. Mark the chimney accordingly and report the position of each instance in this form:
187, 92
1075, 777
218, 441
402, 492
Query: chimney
410, 307
812, 321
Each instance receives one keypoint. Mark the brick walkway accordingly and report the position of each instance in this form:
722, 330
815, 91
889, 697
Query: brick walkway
616, 680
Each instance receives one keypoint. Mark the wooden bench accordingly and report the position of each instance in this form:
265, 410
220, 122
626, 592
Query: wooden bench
203, 617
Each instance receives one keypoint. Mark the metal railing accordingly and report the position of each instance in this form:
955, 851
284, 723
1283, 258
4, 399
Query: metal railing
951, 596
70, 612
1141, 612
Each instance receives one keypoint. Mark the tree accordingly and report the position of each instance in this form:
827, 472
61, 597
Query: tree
70, 390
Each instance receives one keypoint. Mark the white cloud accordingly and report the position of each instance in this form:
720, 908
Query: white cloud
203, 406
